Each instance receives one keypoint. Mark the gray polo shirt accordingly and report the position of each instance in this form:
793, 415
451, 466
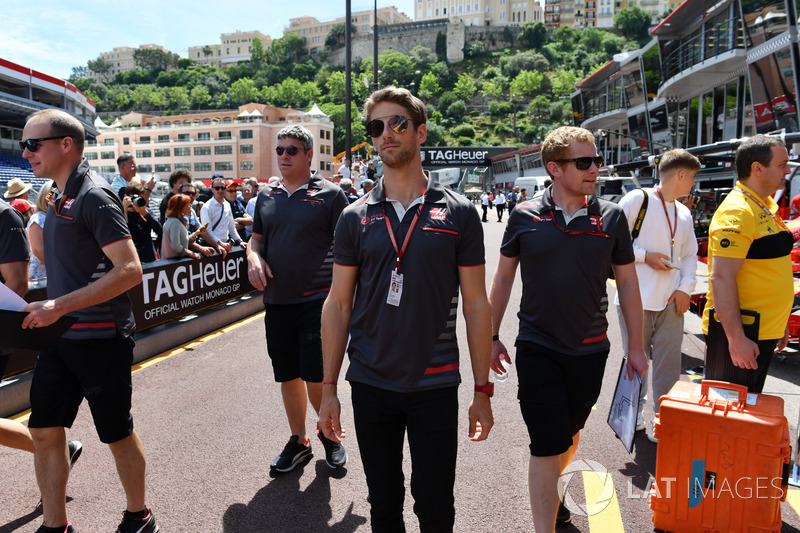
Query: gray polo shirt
297, 232
564, 269
410, 347
83, 219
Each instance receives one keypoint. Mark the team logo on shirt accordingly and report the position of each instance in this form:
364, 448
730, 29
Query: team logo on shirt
596, 221
312, 192
438, 213
367, 219
68, 203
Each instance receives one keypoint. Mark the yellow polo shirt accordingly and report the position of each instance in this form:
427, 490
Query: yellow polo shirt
741, 229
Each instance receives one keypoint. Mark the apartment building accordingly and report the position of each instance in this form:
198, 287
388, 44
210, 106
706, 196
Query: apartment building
480, 12
121, 59
233, 47
238, 143
575, 13
315, 32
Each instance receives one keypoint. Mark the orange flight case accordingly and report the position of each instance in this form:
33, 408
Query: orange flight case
722, 464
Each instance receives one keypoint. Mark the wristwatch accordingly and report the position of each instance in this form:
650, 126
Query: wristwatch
487, 389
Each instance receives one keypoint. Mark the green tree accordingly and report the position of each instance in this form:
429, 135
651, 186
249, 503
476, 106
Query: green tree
423, 57
335, 86
77, 73
563, 82
154, 59
243, 91
534, 34
527, 83
336, 37
199, 97
101, 67
147, 97
566, 37
285, 50
257, 54
436, 135
633, 23
465, 87
492, 89
429, 86
177, 98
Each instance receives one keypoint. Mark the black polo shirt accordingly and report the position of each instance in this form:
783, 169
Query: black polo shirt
13, 237
297, 232
410, 347
80, 222
564, 269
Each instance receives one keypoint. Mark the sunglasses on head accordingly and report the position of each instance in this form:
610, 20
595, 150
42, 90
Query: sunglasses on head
219, 188
33, 144
583, 163
397, 123
291, 150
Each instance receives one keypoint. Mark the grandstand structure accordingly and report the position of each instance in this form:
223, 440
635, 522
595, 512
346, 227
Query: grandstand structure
24, 91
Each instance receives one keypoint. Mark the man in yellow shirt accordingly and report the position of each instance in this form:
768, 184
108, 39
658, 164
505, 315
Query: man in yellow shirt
750, 266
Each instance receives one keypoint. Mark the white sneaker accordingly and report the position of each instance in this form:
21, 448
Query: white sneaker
651, 433
640, 423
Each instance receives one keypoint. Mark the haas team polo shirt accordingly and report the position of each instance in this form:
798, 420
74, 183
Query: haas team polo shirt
81, 221
564, 269
410, 346
297, 232
743, 230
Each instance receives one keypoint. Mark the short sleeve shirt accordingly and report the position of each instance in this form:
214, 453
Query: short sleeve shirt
81, 221
740, 229
410, 347
13, 238
564, 269
297, 232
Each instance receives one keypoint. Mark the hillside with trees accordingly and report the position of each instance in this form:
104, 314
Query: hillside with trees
513, 96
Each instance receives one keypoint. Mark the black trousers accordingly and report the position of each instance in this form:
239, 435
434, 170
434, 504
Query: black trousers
382, 418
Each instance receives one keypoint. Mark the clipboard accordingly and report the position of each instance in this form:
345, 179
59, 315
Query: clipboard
13, 336
718, 363
625, 406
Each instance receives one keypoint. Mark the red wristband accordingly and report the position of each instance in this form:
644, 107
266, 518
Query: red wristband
329, 383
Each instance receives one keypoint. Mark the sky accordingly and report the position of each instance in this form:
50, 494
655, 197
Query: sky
52, 36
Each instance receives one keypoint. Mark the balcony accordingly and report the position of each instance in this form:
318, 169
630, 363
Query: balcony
703, 59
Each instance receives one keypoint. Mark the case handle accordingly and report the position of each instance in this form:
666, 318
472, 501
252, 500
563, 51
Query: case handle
740, 389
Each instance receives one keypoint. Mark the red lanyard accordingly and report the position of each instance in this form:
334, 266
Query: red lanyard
672, 229
778, 222
401, 251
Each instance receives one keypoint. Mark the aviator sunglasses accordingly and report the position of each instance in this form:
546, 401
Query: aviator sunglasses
397, 123
291, 150
583, 163
33, 144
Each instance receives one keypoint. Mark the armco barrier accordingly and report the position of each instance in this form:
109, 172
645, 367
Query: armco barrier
178, 300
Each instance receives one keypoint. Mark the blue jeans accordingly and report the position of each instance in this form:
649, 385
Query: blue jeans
382, 418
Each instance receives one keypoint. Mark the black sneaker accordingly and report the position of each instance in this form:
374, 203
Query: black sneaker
563, 516
68, 529
75, 448
335, 454
292, 454
138, 525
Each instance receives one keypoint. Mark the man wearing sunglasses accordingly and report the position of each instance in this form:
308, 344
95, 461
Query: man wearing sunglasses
218, 215
565, 241
402, 254
290, 258
91, 263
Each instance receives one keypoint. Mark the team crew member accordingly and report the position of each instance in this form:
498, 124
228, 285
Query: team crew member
666, 261
403, 251
565, 241
750, 266
91, 262
218, 215
290, 258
